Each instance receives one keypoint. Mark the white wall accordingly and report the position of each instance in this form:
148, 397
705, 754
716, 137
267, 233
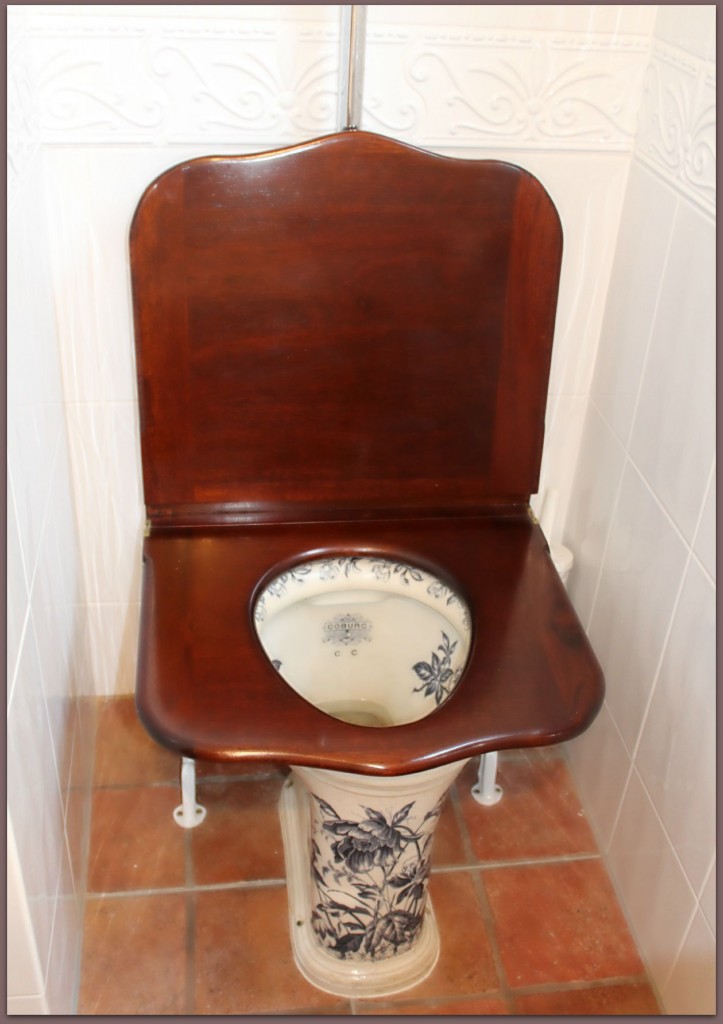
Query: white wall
642, 525
48, 733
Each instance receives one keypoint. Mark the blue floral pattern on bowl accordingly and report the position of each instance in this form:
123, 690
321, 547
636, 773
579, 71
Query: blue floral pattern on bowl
371, 878
351, 634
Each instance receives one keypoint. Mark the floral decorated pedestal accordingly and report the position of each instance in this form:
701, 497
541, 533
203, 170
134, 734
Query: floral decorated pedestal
377, 643
357, 863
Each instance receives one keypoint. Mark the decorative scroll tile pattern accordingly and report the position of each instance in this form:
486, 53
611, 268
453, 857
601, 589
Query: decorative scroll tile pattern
677, 135
525, 90
170, 80
22, 131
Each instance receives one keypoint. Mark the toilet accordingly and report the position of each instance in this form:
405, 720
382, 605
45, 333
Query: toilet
343, 352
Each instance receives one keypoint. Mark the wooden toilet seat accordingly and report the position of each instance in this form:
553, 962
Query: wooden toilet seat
343, 348
207, 690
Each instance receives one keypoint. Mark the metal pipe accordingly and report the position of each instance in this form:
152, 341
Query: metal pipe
351, 71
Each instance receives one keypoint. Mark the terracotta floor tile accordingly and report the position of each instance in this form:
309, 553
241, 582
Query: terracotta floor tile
134, 956
555, 923
475, 1006
465, 965
240, 838
539, 814
134, 841
533, 755
243, 958
559, 923
613, 1000
125, 755
238, 770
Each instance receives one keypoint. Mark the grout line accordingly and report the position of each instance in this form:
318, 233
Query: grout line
191, 886
388, 1004
495, 865
216, 780
190, 980
190, 986
181, 890
87, 786
577, 986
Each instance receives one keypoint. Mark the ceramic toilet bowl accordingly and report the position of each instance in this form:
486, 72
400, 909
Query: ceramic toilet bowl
365, 639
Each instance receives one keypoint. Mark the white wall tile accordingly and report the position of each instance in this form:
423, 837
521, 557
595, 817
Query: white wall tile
24, 971
91, 197
642, 246
595, 488
34, 794
563, 425
34, 389
104, 450
17, 590
118, 76
691, 988
436, 79
593, 18
655, 892
58, 583
677, 123
113, 640
64, 959
601, 766
686, 26
677, 754
43, 591
708, 902
640, 579
705, 540
589, 192
673, 437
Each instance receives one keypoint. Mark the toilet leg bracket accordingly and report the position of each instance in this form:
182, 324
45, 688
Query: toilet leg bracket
188, 814
486, 791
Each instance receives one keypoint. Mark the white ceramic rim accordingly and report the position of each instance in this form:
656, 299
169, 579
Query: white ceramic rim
314, 577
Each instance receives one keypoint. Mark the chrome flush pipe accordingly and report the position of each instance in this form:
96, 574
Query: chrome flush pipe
351, 69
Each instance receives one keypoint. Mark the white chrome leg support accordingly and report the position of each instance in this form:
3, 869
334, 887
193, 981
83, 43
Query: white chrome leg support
188, 814
486, 791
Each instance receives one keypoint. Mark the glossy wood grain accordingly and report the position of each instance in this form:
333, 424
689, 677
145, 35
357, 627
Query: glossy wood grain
350, 324
344, 348
206, 688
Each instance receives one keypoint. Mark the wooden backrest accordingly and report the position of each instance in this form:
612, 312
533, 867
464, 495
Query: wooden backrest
345, 328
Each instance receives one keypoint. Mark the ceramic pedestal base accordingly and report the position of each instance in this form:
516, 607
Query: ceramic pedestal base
357, 864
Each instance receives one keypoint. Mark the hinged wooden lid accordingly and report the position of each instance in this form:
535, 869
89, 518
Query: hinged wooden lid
347, 327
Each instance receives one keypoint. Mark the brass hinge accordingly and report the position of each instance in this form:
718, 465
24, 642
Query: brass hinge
147, 528
532, 517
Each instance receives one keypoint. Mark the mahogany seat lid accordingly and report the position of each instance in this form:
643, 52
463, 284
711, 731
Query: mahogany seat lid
348, 327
